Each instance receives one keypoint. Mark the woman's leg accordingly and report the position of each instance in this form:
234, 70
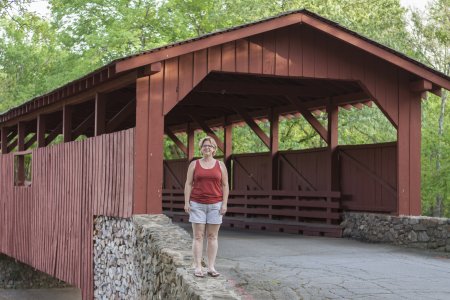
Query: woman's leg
212, 231
197, 244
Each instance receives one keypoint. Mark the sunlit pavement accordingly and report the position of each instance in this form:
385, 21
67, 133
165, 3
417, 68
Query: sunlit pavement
263, 265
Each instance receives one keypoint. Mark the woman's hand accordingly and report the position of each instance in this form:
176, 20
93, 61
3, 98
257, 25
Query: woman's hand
223, 209
187, 207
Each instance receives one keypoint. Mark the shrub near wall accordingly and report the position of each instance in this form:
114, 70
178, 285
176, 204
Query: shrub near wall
417, 232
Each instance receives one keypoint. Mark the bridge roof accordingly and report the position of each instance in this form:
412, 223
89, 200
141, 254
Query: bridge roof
129, 66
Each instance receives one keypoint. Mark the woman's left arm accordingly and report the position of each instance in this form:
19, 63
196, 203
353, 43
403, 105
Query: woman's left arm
225, 188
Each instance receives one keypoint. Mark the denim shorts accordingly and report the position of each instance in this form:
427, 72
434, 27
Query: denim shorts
205, 213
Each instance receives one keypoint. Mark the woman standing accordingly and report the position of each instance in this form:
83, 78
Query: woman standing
206, 195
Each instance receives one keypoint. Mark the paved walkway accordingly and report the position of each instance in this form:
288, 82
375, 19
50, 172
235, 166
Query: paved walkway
266, 265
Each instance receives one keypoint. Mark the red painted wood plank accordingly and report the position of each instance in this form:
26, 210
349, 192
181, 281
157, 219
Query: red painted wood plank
171, 84
295, 51
229, 57
200, 66
269, 50
282, 52
255, 54
242, 60
186, 74
308, 52
320, 55
215, 58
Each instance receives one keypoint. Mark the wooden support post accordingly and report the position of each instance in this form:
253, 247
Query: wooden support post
67, 123
141, 146
333, 182
274, 118
227, 133
155, 145
190, 142
176, 140
100, 114
40, 131
4, 133
21, 128
408, 148
21, 133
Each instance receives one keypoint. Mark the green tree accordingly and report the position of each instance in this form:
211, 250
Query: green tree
431, 39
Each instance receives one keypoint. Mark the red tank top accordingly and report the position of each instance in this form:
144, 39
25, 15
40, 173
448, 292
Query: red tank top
207, 187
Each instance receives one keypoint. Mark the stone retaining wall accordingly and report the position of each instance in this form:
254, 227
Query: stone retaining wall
16, 275
148, 257
417, 232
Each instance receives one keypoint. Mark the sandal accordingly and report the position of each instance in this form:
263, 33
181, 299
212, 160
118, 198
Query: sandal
199, 273
213, 273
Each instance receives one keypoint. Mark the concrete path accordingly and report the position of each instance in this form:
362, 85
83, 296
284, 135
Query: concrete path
41, 294
264, 265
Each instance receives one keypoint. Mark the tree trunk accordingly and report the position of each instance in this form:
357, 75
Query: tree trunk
438, 209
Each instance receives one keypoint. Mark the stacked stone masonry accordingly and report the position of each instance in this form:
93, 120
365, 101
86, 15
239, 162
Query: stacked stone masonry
416, 232
16, 275
148, 257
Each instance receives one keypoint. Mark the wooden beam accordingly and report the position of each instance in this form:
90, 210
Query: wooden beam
21, 128
67, 123
332, 111
150, 69
228, 149
54, 133
176, 140
121, 116
190, 141
310, 118
83, 126
4, 146
31, 141
420, 86
252, 124
40, 131
274, 122
100, 114
207, 130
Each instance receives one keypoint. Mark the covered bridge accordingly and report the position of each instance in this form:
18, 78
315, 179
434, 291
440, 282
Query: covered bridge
296, 63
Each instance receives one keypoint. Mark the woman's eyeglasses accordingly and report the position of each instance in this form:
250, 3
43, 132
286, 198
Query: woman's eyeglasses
209, 146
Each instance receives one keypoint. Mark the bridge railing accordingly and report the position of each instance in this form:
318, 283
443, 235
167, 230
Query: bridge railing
271, 206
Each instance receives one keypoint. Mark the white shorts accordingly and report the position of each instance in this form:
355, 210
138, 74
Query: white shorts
205, 213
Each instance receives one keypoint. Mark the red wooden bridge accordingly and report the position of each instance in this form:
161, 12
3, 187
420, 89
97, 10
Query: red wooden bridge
53, 183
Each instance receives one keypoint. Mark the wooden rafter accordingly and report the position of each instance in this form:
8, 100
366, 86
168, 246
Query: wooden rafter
176, 140
31, 141
54, 133
83, 126
252, 124
310, 118
121, 116
207, 129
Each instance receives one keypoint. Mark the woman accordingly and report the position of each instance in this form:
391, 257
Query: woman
206, 195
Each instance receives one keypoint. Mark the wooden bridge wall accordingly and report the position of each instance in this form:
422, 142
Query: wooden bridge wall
368, 173
297, 50
49, 225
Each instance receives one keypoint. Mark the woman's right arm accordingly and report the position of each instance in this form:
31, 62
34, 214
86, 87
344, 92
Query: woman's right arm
188, 187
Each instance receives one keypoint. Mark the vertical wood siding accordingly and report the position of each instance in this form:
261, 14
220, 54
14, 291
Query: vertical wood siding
368, 174
49, 225
292, 51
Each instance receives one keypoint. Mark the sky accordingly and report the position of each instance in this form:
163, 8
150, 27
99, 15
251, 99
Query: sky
41, 6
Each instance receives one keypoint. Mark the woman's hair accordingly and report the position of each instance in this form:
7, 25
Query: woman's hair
209, 139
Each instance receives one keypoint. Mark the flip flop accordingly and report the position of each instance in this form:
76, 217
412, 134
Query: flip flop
199, 273
213, 273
